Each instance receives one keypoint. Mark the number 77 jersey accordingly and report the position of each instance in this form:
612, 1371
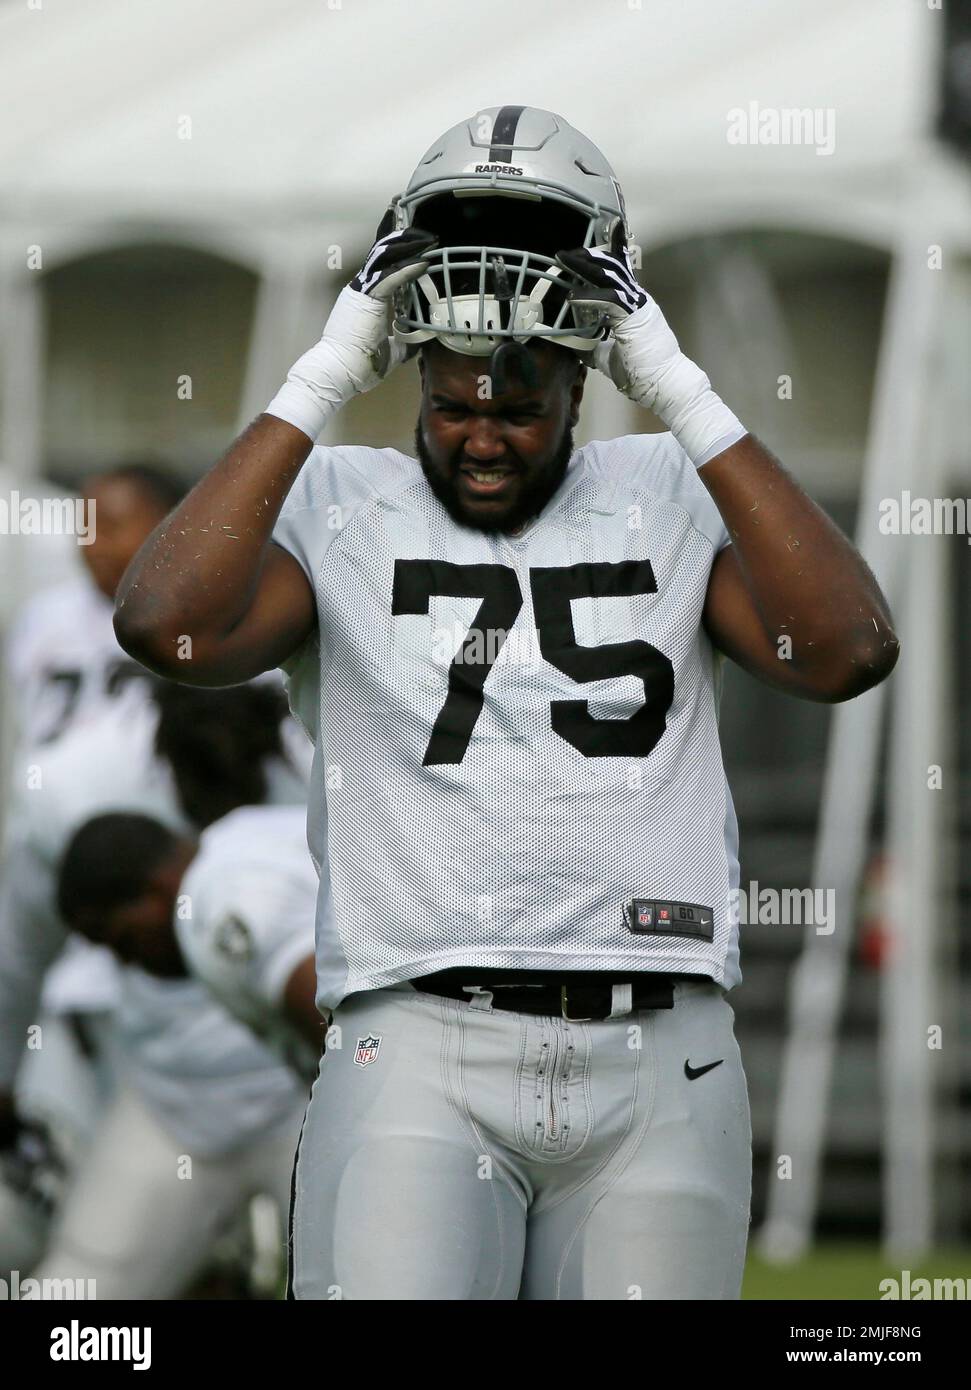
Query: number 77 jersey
517, 758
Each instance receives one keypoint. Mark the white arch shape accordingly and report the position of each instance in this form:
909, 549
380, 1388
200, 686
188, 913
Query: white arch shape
68, 246
855, 223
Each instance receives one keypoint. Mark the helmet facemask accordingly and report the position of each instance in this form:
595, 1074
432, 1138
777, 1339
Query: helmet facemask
493, 277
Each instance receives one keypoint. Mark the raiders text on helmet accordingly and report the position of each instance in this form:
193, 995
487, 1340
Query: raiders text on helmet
503, 192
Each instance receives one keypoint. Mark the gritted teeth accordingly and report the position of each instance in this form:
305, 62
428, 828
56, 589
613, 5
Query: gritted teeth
487, 475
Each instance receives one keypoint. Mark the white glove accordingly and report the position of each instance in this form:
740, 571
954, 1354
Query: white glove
641, 356
356, 351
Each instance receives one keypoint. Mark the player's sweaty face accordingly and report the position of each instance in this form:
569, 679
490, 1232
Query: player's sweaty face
495, 458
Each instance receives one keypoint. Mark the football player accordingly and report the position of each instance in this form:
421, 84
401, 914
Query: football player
234, 909
532, 844
63, 665
200, 1097
63, 661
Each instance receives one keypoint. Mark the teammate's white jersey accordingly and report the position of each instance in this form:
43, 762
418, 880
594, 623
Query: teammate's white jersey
63, 661
246, 919
108, 764
64, 666
211, 1083
480, 811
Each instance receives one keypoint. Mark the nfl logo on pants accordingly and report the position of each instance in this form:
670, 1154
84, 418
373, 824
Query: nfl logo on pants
367, 1050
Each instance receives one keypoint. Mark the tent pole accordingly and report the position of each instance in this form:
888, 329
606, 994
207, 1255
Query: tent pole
920, 908
819, 977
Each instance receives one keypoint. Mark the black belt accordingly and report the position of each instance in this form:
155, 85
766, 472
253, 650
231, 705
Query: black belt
578, 996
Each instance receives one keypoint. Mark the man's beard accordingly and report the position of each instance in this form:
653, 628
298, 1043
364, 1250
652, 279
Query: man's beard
534, 494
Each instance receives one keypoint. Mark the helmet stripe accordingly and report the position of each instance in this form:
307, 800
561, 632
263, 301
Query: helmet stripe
504, 133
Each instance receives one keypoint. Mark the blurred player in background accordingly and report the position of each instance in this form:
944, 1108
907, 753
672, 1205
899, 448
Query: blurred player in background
196, 1084
63, 662
234, 908
62, 667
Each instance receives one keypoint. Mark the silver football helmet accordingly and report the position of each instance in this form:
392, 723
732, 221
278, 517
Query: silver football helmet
503, 192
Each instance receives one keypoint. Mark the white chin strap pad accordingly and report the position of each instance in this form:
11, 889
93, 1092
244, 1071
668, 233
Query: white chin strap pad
475, 325
474, 322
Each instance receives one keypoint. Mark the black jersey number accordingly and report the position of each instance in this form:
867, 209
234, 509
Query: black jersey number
553, 589
415, 581
118, 676
66, 686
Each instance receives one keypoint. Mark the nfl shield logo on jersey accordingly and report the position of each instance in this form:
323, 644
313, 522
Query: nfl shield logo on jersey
367, 1051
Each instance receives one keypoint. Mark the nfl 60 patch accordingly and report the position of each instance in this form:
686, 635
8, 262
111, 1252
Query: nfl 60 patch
367, 1050
648, 916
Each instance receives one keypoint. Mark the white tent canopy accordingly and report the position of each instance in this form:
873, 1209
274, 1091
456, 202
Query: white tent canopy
318, 111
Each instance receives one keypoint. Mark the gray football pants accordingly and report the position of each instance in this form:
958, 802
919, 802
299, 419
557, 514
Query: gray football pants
485, 1154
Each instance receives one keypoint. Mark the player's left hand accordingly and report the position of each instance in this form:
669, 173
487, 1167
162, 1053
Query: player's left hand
639, 342
609, 276
641, 354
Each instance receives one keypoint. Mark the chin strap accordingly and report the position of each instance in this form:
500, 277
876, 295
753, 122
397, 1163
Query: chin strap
511, 354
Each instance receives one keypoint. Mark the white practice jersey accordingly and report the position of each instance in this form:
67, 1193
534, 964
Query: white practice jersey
518, 762
64, 666
63, 661
246, 920
208, 1080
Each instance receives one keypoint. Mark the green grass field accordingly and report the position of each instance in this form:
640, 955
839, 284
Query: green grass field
847, 1271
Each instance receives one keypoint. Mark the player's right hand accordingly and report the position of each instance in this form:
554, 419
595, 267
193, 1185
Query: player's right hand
395, 259
356, 350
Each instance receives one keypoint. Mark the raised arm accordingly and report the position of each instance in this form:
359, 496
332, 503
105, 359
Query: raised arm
209, 599
792, 600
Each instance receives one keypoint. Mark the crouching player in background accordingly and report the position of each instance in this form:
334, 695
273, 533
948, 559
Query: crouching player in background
206, 1116
62, 667
234, 908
